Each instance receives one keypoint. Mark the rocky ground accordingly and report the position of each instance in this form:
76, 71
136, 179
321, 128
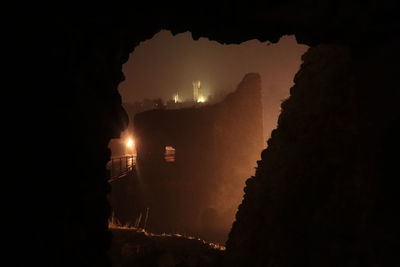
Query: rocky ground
135, 247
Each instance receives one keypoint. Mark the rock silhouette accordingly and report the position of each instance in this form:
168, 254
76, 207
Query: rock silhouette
325, 192
322, 191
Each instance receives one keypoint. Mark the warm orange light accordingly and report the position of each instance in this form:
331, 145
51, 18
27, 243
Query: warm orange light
169, 154
130, 143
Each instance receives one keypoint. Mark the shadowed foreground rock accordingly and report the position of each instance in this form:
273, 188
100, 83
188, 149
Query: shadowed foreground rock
325, 191
132, 247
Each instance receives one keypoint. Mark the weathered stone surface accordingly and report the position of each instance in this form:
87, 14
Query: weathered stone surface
217, 146
322, 194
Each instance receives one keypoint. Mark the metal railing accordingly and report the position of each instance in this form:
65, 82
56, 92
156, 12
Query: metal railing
119, 167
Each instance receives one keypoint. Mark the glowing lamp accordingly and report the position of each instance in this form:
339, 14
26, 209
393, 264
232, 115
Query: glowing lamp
201, 99
130, 143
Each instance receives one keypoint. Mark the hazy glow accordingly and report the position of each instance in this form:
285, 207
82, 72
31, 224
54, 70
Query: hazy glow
177, 99
201, 99
196, 90
178, 61
130, 143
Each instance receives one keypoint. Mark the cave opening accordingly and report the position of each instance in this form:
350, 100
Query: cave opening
193, 94
324, 193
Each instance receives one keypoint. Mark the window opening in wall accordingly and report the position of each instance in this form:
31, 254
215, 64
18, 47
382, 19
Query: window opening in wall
169, 154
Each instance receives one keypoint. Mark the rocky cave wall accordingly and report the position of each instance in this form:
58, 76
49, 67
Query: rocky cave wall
71, 65
72, 107
323, 192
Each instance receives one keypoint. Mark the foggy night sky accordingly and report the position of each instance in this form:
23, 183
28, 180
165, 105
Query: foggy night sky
167, 64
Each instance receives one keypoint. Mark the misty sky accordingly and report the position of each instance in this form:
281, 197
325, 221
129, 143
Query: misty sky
167, 64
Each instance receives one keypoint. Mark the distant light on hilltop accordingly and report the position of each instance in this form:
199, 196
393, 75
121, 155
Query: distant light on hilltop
201, 99
177, 99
